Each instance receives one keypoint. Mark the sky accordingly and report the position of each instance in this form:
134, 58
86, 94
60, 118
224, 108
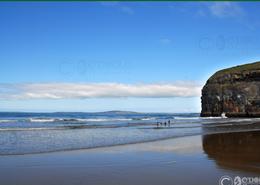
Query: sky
134, 56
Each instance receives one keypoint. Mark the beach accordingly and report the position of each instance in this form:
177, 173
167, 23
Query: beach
129, 93
126, 148
197, 160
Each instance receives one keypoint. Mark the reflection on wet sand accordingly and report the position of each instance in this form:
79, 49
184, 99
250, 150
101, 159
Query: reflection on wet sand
235, 150
230, 127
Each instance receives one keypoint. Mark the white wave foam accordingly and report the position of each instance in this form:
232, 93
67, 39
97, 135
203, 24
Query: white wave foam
87, 119
42, 119
77, 119
93, 119
102, 119
184, 118
6, 120
30, 129
213, 117
147, 119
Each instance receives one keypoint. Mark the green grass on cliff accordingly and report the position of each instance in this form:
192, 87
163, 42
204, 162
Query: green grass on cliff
238, 69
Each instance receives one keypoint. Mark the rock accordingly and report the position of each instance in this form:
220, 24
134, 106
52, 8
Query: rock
234, 91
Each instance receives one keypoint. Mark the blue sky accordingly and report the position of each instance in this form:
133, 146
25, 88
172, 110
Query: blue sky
128, 56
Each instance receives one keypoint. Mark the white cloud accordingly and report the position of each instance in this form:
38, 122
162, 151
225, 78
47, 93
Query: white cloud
215, 9
226, 9
120, 6
97, 90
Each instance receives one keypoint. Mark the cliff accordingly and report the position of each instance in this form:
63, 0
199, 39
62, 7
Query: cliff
234, 91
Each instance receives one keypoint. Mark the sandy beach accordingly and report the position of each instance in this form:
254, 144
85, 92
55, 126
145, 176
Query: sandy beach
193, 160
129, 93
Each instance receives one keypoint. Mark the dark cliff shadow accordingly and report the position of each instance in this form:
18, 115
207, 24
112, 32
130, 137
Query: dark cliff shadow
235, 151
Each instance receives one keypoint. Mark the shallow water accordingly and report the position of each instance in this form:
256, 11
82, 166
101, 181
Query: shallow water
25, 133
194, 160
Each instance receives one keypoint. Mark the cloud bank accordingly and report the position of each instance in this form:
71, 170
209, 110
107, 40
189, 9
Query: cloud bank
226, 9
97, 90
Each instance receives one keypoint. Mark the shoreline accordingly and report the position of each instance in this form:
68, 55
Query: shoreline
138, 142
100, 147
171, 161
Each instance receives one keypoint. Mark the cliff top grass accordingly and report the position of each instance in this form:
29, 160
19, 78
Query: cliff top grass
237, 69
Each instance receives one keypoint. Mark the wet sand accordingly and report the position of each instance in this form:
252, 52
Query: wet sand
194, 160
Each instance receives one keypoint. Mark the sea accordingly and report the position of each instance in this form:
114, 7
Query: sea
29, 133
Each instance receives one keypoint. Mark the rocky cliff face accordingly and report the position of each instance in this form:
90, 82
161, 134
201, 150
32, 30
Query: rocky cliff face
234, 91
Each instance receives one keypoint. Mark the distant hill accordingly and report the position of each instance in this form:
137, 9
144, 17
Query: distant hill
118, 112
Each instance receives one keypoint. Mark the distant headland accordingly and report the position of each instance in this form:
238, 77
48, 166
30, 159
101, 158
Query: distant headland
233, 92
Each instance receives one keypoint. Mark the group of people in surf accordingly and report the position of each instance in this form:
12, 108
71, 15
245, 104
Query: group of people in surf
164, 124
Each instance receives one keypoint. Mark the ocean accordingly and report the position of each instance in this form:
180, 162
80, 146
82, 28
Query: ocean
27, 133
